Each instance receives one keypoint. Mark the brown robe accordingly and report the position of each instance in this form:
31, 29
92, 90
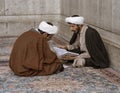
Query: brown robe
32, 56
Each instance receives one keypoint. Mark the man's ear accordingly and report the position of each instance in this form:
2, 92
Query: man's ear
45, 34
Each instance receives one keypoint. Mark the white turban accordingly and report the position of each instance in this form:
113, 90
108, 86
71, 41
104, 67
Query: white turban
75, 20
45, 27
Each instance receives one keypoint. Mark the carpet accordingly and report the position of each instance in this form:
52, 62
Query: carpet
71, 80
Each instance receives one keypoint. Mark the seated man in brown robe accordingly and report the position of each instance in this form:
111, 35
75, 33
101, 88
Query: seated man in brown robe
31, 55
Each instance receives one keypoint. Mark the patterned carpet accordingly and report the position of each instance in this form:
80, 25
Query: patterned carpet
71, 80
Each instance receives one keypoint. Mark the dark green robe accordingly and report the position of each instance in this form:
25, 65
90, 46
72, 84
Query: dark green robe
99, 56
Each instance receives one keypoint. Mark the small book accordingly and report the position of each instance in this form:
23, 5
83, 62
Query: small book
64, 54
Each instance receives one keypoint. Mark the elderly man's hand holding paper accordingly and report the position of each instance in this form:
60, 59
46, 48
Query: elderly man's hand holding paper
64, 54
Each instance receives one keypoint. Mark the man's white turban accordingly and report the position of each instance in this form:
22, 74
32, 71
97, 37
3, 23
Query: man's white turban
45, 27
75, 20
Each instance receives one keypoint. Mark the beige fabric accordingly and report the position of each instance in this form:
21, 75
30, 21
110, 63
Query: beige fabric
80, 42
83, 43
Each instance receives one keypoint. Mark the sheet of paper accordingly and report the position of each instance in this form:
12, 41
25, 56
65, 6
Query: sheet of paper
61, 52
65, 66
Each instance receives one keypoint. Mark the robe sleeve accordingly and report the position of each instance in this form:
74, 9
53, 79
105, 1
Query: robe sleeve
49, 56
33, 60
35, 54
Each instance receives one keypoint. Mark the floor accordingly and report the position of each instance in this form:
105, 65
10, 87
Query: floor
71, 80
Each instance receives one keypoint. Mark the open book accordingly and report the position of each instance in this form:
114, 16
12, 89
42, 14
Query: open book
64, 54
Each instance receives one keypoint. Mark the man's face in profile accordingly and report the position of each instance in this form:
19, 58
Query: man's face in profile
49, 36
74, 27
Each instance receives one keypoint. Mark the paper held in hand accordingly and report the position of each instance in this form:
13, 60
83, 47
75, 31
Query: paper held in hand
64, 54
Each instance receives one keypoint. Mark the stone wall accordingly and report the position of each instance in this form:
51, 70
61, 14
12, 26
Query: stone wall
103, 15
17, 16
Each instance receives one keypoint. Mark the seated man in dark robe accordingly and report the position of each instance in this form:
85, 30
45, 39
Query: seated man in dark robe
92, 50
31, 55
73, 39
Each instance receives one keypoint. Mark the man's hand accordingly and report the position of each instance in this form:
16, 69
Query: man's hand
62, 46
78, 63
68, 57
